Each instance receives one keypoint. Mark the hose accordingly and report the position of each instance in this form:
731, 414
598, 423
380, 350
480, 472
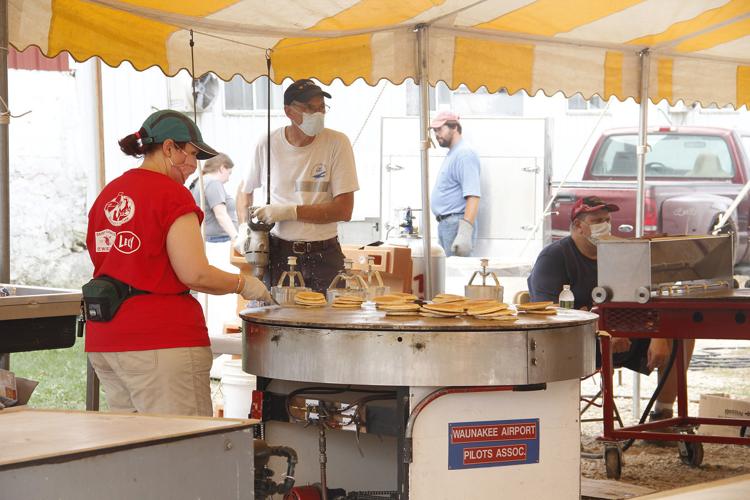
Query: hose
657, 391
647, 410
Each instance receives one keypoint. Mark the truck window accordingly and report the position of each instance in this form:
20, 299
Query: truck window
671, 155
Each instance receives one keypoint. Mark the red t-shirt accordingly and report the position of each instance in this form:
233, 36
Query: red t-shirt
127, 240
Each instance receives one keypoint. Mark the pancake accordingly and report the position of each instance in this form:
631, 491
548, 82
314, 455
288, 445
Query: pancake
444, 308
437, 314
388, 299
542, 312
408, 297
336, 305
349, 298
533, 306
504, 312
309, 295
399, 307
444, 298
487, 309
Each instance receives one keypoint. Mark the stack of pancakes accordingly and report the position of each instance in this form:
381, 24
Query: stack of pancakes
540, 308
492, 310
347, 302
310, 299
447, 298
442, 310
397, 304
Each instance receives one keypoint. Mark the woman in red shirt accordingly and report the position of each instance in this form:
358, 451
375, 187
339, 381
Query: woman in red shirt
153, 356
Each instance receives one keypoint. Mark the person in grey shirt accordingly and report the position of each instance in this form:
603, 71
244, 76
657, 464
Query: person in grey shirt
221, 213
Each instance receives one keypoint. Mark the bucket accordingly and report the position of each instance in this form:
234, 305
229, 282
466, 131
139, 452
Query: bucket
237, 387
437, 260
494, 292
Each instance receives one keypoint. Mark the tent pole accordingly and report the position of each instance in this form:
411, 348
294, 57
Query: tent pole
639, 202
4, 162
4, 149
642, 141
424, 146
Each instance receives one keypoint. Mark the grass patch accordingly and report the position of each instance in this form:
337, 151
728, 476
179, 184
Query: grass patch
61, 374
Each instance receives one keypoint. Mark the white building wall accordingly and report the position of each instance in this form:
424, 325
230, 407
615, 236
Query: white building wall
48, 175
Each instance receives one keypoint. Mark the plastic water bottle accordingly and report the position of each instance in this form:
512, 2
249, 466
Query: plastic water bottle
567, 299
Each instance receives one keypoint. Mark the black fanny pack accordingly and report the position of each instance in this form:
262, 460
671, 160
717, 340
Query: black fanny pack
103, 296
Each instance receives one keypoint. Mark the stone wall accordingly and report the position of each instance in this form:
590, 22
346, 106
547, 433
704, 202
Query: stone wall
48, 183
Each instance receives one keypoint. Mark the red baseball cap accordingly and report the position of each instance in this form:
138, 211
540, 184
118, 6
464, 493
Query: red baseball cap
591, 204
442, 117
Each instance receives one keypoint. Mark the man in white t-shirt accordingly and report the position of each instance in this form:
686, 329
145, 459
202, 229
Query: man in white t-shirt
313, 179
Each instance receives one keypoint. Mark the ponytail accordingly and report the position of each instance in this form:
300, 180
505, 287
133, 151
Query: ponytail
134, 145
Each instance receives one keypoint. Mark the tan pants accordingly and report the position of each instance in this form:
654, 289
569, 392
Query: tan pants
164, 381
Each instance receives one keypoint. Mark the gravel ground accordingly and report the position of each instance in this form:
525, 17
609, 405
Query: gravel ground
718, 366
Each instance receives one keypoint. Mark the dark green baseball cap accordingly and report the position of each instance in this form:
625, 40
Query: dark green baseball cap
169, 124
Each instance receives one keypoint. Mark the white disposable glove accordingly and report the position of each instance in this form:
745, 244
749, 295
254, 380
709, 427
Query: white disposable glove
254, 289
463, 244
239, 240
276, 213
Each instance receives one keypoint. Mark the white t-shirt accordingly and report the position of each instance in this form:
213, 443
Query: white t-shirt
306, 175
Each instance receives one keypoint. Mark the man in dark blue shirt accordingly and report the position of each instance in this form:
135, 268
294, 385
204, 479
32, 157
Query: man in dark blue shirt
572, 261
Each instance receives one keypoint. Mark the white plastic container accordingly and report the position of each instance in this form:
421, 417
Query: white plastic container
418, 265
237, 387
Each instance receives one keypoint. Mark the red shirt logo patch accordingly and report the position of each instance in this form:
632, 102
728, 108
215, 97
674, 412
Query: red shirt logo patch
127, 242
120, 209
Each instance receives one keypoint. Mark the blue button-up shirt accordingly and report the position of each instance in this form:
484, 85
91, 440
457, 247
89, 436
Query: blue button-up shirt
457, 179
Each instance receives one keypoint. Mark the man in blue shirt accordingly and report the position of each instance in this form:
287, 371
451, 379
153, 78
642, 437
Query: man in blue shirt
455, 197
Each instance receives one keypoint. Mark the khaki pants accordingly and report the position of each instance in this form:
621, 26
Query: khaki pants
163, 381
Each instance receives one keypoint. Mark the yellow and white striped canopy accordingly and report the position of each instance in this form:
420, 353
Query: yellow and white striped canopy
700, 49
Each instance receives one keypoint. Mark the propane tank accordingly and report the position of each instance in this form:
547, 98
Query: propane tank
409, 237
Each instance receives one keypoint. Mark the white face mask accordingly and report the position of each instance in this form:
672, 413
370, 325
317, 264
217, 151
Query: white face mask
312, 123
598, 231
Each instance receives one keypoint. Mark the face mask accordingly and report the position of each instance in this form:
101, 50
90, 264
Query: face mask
179, 172
312, 123
598, 231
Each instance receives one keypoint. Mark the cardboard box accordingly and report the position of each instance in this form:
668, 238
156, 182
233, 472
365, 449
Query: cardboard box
722, 406
15, 391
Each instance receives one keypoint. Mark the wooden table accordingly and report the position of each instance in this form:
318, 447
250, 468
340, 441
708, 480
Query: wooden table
90, 455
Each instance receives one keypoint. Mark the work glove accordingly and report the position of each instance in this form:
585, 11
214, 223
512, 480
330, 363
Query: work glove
254, 289
276, 213
239, 240
463, 245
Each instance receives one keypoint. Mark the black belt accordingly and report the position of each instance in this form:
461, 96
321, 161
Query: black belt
442, 217
302, 247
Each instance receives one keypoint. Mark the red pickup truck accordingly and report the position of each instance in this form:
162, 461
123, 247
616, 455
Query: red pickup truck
692, 175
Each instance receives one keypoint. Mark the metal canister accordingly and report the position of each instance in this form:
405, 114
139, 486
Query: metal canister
484, 290
290, 284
